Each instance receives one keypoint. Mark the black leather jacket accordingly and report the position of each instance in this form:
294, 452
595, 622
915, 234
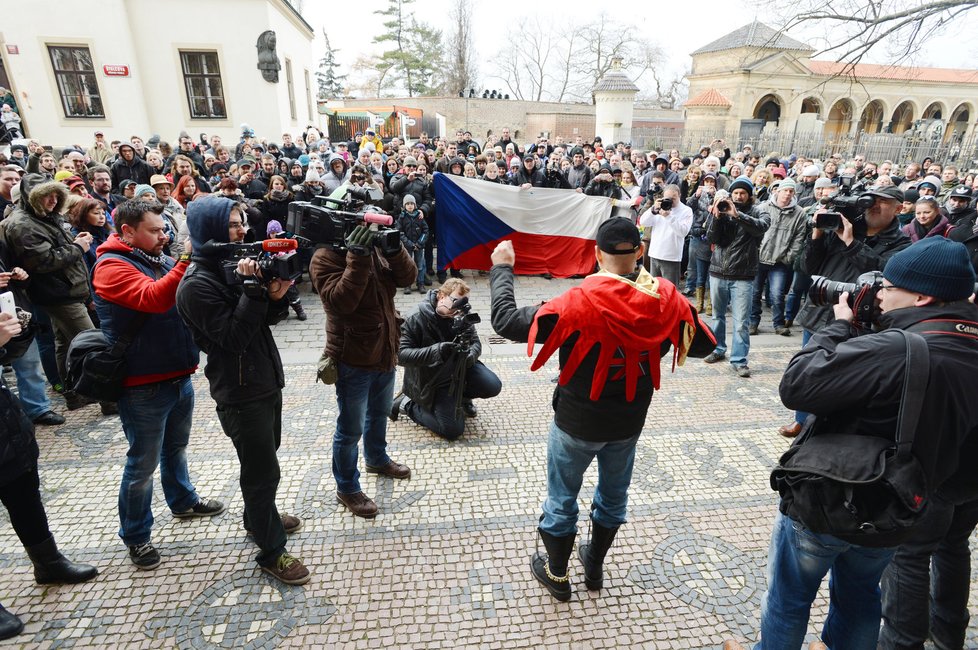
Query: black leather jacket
426, 371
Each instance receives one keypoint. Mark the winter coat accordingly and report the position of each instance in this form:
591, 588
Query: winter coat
854, 385
830, 257
18, 447
784, 241
916, 232
357, 291
413, 229
137, 170
699, 248
427, 374
42, 244
419, 188
736, 243
330, 179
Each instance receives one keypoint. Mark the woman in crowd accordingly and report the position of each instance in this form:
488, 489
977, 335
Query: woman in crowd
928, 220
762, 180
689, 185
274, 206
185, 191
88, 215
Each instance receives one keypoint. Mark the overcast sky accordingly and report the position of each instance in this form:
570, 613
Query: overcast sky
677, 27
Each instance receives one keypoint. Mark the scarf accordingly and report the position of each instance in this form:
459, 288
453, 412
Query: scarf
280, 195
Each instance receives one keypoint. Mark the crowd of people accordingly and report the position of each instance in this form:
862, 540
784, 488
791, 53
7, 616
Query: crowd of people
122, 235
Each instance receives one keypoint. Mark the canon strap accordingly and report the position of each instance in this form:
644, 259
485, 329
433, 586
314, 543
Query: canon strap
965, 328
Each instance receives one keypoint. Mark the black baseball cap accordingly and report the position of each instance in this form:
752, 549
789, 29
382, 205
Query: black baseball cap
616, 231
892, 192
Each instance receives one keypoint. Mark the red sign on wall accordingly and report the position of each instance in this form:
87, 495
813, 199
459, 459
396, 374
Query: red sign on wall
116, 70
13, 49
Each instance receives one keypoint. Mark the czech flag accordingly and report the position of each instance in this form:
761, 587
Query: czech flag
553, 231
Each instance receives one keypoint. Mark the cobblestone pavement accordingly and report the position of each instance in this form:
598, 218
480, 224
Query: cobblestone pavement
445, 564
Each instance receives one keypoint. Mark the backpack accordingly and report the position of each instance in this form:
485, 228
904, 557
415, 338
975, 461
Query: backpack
95, 369
857, 485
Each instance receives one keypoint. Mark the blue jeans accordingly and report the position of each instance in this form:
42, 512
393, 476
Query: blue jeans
45, 346
926, 586
418, 256
30, 383
364, 399
156, 419
567, 460
442, 417
798, 559
777, 276
697, 271
800, 284
806, 336
738, 294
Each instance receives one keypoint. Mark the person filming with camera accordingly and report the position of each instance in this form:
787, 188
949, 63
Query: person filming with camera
844, 253
859, 387
440, 353
356, 281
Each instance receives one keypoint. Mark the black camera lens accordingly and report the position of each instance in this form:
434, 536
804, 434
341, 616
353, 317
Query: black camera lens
724, 206
827, 292
665, 204
829, 221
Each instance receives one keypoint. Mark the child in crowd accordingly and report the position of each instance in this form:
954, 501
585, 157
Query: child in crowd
414, 232
274, 230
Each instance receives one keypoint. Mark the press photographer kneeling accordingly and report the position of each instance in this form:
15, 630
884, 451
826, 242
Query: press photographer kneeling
440, 354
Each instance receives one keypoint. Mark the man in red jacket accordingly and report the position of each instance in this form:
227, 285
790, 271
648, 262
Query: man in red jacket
133, 280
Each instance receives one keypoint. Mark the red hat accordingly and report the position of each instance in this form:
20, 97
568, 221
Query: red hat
778, 172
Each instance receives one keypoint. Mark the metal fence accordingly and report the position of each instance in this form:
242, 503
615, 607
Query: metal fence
877, 147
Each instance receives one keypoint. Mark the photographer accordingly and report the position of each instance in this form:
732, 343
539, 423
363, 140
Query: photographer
846, 254
440, 353
853, 384
603, 184
735, 232
668, 223
230, 323
578, 175
357, 285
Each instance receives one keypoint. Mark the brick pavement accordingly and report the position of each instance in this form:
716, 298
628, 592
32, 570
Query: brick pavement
445, 564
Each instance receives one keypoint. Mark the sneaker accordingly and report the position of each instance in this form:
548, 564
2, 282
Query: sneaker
49, 419
144, 556
743, 371
203, 508
289, 570
714, 357
753, 329
407, 291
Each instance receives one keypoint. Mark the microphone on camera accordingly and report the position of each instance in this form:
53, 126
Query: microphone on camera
380, 219
279, 245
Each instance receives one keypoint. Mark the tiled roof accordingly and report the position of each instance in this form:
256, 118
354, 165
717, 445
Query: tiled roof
899, 73
754, 34
709, 97
615, 80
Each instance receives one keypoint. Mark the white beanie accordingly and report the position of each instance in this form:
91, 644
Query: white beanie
409, 198
810, 170
312, 176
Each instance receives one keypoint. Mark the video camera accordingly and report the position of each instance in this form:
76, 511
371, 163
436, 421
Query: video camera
329, 221
462, 322
848, 201
278, 259
862, 295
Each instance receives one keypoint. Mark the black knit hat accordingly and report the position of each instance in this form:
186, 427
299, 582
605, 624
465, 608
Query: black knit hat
934, 266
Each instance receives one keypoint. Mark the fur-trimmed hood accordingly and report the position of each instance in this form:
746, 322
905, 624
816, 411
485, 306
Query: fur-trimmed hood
37, 188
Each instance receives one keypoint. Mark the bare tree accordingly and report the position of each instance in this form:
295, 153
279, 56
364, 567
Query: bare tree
370, 77
853, 28
462, 70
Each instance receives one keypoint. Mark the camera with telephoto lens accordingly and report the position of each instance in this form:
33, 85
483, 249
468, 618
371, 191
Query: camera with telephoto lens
724, 206
665, 205
862, 295
849, 201
329, 222
461, 324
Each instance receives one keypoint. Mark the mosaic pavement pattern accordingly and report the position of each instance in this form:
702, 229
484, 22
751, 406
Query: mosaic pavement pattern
445, 564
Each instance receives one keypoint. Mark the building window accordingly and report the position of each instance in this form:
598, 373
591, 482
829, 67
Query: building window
75, 74
308, 96
202, 80
288, 81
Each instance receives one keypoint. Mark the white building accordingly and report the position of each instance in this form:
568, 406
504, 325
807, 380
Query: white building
137, 67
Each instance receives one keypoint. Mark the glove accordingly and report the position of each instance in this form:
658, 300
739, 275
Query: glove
470, 359
446, 350
359, 241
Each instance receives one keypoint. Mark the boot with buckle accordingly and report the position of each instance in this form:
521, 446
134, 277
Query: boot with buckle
550, 568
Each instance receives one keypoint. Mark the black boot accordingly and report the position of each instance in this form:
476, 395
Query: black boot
76, 401
551, 568
53, 568
109, 408
300, 313
592, 554
10, 625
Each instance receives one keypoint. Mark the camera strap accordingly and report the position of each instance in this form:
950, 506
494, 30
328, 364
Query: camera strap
964, 328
